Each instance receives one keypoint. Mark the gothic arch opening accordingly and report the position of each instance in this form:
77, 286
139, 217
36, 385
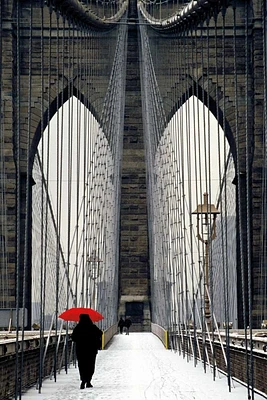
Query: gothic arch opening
193, 158
73, 227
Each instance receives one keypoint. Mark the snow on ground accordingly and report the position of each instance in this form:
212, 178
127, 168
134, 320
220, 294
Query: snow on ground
138, 367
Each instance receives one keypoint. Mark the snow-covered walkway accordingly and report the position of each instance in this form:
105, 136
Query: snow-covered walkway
138, 367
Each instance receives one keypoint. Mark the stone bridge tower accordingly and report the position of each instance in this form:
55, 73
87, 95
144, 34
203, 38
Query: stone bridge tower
53, 87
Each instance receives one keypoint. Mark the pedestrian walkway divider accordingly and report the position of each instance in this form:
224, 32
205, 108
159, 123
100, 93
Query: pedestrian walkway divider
108, 335
161, 333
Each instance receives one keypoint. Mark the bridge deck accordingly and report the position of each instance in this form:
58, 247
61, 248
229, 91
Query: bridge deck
138, 367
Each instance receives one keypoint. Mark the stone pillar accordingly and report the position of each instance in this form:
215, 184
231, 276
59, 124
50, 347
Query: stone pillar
134, 265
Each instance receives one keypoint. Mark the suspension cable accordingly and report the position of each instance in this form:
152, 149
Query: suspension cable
248, 200
27, 206
42, 263
18, 203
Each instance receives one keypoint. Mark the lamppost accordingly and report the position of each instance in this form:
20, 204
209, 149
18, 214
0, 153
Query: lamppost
94, 272
206, 233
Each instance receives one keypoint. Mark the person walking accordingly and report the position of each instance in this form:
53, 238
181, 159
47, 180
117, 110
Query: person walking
127, 324
121, 325
88, 339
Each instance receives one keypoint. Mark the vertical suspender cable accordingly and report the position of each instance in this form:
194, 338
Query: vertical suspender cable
178, 146
238, 171
206, 248
187, 151
264, 189
61, 151
45, 160
175, 339
208, 175
18, 200
27, 203
58, 205
85, 166
205, 162
192, 241
225, 231
4, 279
198, 190
78, 158
218, 130
45, 196
217, 100
174, 131
182, 198
217, 52
75, 162
2, 179
198, 181
204, 327
69, 96
248, 198
60, 175
45, 183
70, 148
42, 264
210, 191
225, 273
223, 182
199, 187
89, 120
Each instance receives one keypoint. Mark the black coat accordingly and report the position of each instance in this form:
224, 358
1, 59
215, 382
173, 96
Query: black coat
127, 323
121, 323
88, 338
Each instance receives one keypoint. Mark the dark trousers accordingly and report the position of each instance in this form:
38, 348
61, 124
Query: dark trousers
86, 365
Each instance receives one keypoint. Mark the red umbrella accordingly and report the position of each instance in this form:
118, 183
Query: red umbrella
73, 314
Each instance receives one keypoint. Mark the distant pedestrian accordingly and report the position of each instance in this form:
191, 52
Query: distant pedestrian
121, 324
88, 339
127, 324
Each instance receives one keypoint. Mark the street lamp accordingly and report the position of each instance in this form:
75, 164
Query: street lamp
94, 272
206, 233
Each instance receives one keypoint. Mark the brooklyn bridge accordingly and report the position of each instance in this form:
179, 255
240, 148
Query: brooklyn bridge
133, 181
